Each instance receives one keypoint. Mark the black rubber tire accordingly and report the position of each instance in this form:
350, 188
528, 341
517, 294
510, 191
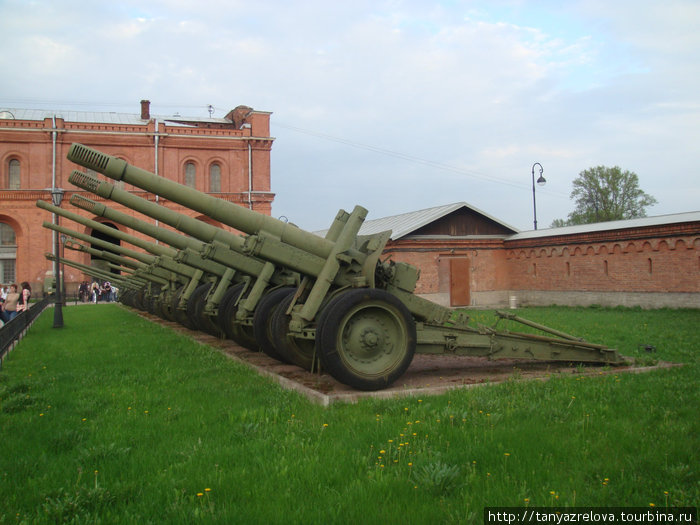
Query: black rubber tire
262, 320
237, 332
199, 295
204, 322
366, 338
297, 351
180, 314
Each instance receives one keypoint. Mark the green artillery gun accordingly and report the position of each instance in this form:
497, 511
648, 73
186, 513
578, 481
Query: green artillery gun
352, 311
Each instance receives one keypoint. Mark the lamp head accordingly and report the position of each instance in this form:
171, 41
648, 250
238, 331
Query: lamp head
57, 196
541, 181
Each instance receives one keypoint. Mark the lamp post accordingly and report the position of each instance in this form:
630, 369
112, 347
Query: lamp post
541, 181
62, 271
56, 198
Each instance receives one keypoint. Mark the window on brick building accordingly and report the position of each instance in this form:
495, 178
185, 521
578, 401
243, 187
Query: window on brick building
13, 175
8, 254
190, 174
215, 178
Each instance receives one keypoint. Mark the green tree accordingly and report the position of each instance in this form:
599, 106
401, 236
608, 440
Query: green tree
606, 194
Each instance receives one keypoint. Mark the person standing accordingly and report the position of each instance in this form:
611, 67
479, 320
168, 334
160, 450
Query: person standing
9, 307
24, 296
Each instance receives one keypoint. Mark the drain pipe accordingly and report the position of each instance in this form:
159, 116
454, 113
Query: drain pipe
53, 189
156, 141
250, 177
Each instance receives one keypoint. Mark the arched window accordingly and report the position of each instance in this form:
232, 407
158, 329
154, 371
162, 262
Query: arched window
8, 254
190, 172
215, 178
13, 175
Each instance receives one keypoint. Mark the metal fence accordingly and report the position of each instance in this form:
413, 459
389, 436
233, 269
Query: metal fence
14, 330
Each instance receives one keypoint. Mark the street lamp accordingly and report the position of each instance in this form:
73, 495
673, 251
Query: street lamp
56, 198
540, 182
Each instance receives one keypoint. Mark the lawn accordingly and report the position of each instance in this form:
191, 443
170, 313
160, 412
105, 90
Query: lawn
113, 419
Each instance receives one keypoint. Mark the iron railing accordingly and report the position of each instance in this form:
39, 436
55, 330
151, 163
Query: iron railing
14, 330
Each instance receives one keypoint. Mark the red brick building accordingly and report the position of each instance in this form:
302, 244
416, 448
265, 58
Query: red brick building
468, 257
228, 157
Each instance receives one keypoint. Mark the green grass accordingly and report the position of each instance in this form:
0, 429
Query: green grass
113, 419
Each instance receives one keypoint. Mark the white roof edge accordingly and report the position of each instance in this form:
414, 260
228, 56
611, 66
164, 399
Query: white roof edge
658, 220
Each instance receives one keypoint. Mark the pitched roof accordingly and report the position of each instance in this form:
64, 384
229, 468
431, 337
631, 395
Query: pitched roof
405, 223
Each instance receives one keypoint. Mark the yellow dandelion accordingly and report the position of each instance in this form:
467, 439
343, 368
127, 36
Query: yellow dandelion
207, 490
325, 425
200, 494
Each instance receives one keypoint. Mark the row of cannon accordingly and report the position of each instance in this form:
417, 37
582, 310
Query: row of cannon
322, 303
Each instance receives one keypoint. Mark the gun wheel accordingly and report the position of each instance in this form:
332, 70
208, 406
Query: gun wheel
237, 332
366, 338
262, 321
297, 351
195, 310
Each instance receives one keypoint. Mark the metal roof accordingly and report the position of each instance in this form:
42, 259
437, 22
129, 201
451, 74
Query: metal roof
406, 223
659, 220
104, 117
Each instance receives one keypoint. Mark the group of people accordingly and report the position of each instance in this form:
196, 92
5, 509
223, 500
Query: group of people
95, 292
12, 301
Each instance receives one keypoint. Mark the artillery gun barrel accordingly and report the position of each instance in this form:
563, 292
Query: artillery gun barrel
245, 220
306, 252
96, 272
220, 245
220, 257
155, 249
142, 257
163, 261
71, 244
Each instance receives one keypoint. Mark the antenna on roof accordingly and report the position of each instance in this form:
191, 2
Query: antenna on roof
210, 109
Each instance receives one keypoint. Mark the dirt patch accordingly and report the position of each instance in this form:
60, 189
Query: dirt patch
428, 374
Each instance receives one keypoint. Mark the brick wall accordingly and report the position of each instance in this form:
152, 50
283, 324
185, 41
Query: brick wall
653, 266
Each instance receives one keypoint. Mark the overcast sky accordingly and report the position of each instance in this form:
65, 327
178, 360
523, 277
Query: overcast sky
393, 105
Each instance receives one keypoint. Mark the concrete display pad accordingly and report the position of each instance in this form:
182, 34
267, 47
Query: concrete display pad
427, 375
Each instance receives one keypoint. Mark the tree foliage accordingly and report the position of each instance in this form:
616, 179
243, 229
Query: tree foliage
606, 194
